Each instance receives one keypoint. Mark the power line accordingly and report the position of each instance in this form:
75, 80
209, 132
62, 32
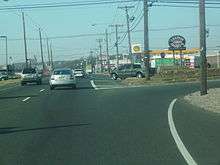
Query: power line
103, 34
59, 5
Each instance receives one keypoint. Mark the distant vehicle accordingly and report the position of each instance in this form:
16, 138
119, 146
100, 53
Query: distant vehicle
62, 77
79, 73
30, 75
89, 69
3, 75
129, 70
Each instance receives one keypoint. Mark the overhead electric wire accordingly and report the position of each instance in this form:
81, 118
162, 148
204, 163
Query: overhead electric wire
72, 4
121, 32
164, 3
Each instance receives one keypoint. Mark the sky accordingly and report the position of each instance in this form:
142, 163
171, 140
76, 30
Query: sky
70, 21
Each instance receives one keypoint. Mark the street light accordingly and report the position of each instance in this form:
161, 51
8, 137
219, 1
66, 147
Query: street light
6, 49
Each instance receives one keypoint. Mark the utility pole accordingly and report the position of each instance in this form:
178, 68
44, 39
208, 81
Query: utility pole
146, 41
218, 60
107, 50
25, 40
100, 52
6, 50
203, 64
48, 53
128, 30
116, 42
51, 56
41, 49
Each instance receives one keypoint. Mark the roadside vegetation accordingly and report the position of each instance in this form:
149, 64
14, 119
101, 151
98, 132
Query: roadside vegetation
172, 75
9, 82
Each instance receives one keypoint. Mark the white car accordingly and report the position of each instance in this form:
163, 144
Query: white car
78, 73
63, 77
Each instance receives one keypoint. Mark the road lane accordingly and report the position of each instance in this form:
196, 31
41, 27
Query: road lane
87, 126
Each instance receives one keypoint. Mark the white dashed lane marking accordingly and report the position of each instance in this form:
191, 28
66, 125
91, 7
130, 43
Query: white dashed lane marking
26, 99
42, 90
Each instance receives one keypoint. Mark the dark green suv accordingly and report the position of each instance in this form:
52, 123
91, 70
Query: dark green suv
128, 70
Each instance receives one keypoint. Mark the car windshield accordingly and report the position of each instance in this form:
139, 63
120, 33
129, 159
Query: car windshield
29, 71
62, 72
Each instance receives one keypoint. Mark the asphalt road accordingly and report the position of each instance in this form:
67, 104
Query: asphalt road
111, 125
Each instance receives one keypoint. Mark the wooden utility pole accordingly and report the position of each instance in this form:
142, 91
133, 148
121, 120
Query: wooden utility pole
128, 30
41, 49
203, 60
25, 40
146, 40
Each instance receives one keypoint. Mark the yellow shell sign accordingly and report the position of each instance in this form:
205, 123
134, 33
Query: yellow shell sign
136, 48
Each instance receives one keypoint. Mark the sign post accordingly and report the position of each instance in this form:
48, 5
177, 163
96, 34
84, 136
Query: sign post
177, 42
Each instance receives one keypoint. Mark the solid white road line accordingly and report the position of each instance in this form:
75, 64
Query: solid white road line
26, 99
42, 90
188, 158
93, 85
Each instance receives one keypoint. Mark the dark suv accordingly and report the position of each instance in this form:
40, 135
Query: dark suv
128, 70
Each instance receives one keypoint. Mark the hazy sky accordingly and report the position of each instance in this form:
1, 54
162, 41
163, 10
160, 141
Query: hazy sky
78, 20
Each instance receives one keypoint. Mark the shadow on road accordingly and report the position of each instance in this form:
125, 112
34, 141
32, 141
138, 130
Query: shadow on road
8, 130
16, 97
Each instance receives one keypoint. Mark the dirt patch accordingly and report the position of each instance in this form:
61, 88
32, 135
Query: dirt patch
209, 102
9, 82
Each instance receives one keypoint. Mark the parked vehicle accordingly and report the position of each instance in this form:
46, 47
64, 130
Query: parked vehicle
30, 75
3, 76
79, 73
62, 77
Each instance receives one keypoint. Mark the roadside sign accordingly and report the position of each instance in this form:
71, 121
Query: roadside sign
177, 42
136, 48
162, 55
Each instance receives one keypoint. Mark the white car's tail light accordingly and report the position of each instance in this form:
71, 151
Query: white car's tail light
52, 78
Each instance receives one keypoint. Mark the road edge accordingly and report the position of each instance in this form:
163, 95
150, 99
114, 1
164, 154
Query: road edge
185, 153
93, 85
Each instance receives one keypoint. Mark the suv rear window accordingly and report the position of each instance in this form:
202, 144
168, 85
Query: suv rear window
78, 70
29, 71
137, 66
62, 72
